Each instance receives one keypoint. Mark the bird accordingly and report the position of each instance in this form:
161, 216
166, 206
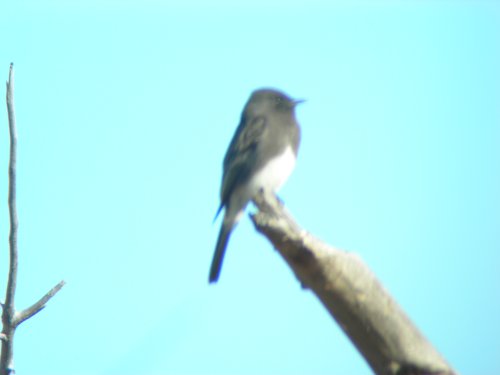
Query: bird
260, 156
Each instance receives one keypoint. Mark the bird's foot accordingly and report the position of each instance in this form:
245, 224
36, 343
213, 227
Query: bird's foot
280, 201
262, 191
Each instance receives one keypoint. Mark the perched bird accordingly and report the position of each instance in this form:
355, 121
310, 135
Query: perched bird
261, 155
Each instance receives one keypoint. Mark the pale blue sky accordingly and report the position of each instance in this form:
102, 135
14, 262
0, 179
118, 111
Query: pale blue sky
125, 110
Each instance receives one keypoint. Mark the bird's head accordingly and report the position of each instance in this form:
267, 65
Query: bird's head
271, 99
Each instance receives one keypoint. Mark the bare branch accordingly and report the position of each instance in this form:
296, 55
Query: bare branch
10, 318
373, 321
27, 313
11, 284
6, 365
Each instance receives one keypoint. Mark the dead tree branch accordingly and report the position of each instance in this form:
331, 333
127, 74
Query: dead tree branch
10, 318
373, 321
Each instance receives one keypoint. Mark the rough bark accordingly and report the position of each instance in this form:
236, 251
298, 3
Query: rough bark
370, 317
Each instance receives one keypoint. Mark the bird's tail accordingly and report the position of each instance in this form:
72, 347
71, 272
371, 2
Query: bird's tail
220, 249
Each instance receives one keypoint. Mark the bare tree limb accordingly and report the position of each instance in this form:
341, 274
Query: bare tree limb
7, 360
373, 321
10, 318
27, 313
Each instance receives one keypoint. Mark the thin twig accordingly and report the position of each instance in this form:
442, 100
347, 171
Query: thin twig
10, 318
27, 313
12, 281
7, 362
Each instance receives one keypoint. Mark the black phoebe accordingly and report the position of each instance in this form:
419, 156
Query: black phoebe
261, 155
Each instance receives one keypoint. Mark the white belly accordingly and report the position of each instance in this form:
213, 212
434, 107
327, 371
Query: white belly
270, 178
274, 174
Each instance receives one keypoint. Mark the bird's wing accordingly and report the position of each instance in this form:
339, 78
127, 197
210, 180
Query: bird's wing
240, 158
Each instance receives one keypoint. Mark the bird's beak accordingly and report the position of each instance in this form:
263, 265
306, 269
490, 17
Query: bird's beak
298, 101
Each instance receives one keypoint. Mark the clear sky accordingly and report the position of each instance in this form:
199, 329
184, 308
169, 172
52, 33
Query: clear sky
125, 110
